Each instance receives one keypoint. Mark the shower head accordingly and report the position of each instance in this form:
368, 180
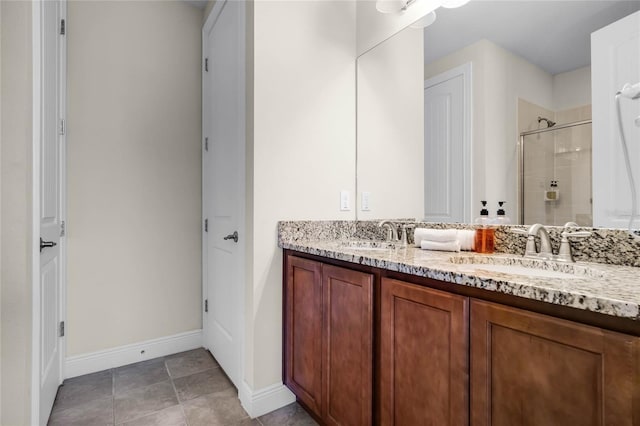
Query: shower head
549, 122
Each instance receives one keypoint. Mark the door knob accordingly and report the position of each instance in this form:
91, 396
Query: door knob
233, 237
44, 244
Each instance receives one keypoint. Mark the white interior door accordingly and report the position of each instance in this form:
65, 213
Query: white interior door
445, 148
223, 185
49, 344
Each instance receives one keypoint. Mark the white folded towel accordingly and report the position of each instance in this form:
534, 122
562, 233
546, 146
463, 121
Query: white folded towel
466, 238
440, 246
439, 235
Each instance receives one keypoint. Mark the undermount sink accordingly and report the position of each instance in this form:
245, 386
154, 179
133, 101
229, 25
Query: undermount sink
525, 267
368, 245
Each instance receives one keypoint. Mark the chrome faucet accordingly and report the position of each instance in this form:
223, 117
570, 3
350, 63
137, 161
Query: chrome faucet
394, 235
545, 242
546, 252
392, 230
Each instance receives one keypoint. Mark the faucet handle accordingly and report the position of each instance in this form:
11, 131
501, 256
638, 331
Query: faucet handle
579, 234
530, 250
565, 254
405, 227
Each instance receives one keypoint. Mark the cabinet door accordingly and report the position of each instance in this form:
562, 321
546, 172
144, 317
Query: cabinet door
348, 348
424, 356
531, 369
303, 331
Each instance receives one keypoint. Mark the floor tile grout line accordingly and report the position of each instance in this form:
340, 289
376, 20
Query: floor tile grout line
193, 373
114, 384
147, 414
175, 391
113, 395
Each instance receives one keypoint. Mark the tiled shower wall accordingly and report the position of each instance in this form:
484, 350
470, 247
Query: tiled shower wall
562, 155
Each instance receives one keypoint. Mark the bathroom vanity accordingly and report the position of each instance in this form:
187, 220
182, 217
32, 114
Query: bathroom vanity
398, 335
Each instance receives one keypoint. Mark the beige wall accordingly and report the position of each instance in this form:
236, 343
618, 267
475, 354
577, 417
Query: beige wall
0, 209
134, 172
500, 78
303, 147
572, 89
207, 9
15, 208
391, 127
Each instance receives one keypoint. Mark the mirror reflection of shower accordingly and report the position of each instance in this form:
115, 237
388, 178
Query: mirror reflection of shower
555, 172
549, 122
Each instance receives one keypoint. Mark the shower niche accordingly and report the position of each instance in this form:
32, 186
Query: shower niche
555, 168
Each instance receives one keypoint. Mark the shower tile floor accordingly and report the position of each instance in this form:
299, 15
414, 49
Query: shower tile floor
188, 388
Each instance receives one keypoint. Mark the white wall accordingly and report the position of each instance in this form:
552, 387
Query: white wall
0, 208
390, 127
500, 78
134, 172
572, 89
303, 148
15, 208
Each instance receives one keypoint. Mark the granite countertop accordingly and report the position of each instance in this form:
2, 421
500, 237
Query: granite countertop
606, 289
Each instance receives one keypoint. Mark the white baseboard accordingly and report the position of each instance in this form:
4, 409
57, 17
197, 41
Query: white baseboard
79, 365
265, 400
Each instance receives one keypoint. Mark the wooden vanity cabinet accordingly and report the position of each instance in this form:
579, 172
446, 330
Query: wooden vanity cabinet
440, 358
303, 331
329, 340
424, 368
532, 369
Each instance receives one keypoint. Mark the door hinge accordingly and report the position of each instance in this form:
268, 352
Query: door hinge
62, 228
206, 305
206, 225
61, 328
206, 144
206, 64
62, 126
63, 29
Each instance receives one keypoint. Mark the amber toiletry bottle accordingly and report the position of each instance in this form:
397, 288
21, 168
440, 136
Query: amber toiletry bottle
484, 231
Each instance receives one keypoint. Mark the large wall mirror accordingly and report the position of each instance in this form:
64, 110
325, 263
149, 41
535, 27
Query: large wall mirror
493, 101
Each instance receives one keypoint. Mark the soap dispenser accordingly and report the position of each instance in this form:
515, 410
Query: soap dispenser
553, 193
501, 217
484, 231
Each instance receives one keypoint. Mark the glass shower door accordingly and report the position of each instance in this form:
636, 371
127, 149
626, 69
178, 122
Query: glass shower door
556, 175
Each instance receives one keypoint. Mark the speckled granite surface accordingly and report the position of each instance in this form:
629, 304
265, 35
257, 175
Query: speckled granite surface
598, 287
609, 246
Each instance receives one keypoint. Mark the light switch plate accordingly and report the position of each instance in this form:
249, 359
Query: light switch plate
344, 201
366, 197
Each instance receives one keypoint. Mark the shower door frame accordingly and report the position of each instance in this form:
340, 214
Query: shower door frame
521, 156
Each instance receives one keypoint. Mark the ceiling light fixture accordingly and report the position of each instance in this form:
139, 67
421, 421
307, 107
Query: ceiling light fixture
425, 21
393, 6
451, 4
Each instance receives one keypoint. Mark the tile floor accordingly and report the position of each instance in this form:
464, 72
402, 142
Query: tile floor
188, 388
